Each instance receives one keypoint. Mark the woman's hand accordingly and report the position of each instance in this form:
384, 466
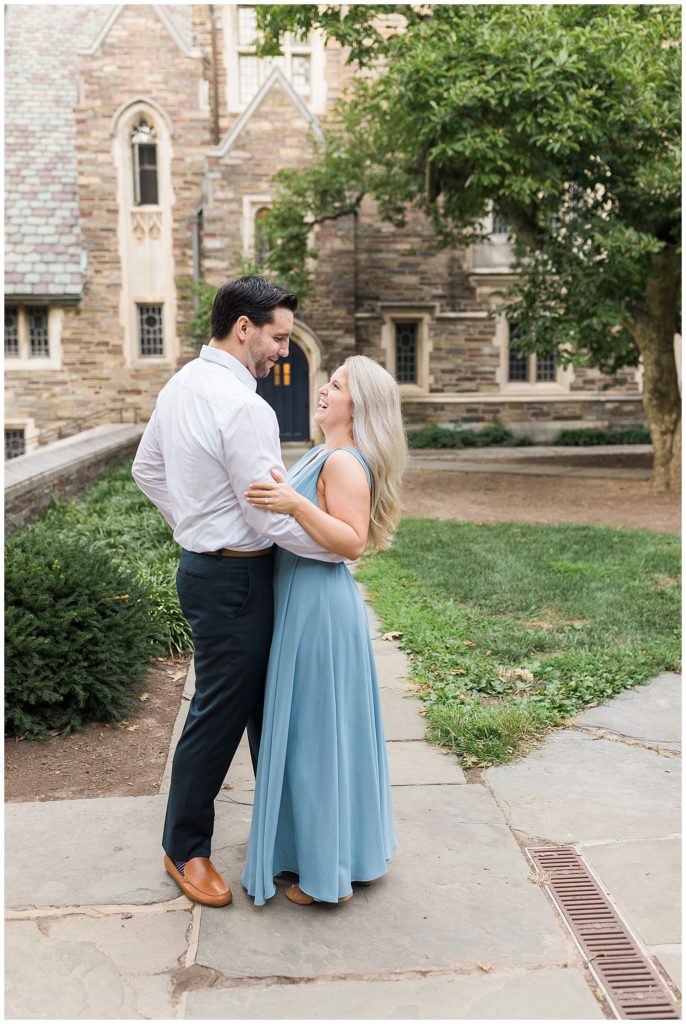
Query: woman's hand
275, 497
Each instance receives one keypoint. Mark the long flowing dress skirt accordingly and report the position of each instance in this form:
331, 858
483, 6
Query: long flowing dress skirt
322, 799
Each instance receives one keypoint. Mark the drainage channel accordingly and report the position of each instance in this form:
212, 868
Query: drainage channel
625, 974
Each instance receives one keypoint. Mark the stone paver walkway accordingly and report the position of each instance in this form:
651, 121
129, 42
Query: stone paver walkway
458, 929
537, 460
611, 787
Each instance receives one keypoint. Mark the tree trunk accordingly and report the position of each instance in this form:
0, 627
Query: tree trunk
653, 328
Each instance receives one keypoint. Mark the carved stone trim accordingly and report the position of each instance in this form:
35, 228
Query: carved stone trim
146, 224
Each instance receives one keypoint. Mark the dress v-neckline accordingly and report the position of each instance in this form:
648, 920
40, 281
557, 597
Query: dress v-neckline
313, 460
310, 462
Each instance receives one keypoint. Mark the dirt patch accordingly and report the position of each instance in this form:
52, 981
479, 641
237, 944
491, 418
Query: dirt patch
596, 460
504, 498
126, 759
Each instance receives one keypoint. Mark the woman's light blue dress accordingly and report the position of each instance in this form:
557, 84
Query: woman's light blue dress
322, 804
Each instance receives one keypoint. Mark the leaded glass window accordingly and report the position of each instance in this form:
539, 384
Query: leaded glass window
144, 151
499, 225
247, 26
518, 366
300, 75
15, 443
11, 331
150, 333
248, 77
406, 353
39, 341
531, 369
278, 61
518, 363
31, 336
545, 368
261, 246
249, 72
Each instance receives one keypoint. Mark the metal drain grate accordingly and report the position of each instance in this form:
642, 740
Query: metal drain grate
632, 985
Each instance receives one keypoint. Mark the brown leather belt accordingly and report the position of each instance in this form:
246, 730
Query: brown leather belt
228, 553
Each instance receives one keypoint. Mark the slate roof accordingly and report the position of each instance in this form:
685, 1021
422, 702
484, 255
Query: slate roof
44, 255
42, 235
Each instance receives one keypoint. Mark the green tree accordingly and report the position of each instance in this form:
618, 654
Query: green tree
565, 118
200, 295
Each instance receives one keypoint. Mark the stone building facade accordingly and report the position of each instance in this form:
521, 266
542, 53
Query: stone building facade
141, 141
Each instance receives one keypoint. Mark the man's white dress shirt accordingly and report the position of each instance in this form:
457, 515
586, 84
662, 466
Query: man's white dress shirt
210, 436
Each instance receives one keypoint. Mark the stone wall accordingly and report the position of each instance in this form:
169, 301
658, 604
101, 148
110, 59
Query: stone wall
404, 264
330, 308
94, 373
540, 419
277, 136
365, 266
64, 469
587, 378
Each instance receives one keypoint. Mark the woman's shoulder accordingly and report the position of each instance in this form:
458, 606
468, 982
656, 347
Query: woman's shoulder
348, 461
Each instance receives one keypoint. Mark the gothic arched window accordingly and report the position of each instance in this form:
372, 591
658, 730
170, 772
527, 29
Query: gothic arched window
261, 240
144, 152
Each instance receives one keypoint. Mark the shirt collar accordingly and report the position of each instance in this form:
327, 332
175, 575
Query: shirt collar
218, 355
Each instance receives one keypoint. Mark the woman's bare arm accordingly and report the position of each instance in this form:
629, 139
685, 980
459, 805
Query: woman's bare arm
343, 528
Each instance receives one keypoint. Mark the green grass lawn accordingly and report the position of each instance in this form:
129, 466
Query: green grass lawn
513, 628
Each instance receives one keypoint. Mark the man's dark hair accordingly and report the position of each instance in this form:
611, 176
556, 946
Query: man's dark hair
254, 297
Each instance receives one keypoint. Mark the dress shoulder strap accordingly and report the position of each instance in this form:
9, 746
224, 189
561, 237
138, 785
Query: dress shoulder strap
358, 455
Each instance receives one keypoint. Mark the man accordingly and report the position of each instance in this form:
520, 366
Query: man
208, 438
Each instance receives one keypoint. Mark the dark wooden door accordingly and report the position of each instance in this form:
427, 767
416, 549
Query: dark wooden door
287, 389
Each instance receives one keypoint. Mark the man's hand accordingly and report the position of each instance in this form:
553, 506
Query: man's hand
277, 497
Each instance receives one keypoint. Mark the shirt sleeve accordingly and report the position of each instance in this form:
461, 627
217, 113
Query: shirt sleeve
149, 471
250, 439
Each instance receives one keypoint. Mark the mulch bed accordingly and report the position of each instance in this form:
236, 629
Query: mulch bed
124, 759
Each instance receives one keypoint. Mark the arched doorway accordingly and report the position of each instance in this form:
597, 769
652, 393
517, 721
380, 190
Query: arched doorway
287, 389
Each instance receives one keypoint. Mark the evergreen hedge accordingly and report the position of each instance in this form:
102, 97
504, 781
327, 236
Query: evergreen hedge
117, 518
435, 436
79, 630
584, 437
496, 434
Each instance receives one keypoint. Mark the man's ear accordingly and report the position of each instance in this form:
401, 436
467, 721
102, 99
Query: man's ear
242, 328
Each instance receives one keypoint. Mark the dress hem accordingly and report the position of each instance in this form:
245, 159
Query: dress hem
317, 899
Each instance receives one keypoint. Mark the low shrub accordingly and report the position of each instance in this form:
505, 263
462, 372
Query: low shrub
79, 630
435, 436
116, 517
621, 435
492, 434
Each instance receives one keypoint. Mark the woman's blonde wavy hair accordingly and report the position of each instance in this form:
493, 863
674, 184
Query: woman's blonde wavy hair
379, 434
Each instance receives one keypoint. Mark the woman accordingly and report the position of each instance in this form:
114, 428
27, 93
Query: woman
322, 797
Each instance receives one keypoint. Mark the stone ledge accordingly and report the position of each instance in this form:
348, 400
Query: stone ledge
64, 469
512, 398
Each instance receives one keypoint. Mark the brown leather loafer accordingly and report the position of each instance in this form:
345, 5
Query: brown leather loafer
200, 881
